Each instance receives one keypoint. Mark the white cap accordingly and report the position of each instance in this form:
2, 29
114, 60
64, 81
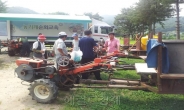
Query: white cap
61, 34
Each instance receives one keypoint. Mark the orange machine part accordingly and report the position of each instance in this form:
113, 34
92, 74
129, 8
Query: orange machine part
82, 68
78, 69
21, 61
28, 60
97, 60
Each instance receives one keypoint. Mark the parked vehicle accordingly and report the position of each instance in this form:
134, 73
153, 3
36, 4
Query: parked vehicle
100, 30
30, 25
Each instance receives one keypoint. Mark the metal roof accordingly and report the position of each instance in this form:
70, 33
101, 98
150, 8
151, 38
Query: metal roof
99, 23
43, 18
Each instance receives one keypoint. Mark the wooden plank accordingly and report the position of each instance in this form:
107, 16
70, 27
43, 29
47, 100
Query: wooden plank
127, 87
142, 68
136, 50
114, 86
150, 87
125, 81
172, 76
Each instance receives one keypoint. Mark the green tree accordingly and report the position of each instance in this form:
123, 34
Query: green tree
3, 7
128, 22
153, 11
124, 22
144, 15
94, 16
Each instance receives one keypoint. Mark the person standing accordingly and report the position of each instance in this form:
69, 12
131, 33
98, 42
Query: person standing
25, 48
112, 44
39, 47
86, 45
59, 48
75, 42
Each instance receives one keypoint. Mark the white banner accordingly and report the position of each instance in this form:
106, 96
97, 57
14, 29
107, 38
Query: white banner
20, 28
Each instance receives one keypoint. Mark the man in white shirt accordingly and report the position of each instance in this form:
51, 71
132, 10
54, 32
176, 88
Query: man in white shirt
59, 48
75, 42
39, 48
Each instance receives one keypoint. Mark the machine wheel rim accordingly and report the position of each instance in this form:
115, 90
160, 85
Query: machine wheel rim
41, 92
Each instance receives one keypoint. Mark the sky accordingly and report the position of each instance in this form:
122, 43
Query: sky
109, 7
103, 7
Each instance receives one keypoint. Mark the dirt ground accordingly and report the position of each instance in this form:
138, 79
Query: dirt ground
14, 95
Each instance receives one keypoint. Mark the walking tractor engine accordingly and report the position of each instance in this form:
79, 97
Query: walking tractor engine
45, 79
155, 75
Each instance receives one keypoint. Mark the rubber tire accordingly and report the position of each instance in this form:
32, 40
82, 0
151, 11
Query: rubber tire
50, 85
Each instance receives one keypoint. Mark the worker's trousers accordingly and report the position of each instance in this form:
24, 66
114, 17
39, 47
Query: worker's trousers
86, 75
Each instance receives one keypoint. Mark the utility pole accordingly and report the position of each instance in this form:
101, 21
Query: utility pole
178, 20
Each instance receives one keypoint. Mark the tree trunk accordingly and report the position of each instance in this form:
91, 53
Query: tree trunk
154, 28
143, 29
178, 20
132, 37
150, 28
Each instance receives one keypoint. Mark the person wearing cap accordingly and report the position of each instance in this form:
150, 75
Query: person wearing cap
39, 47
59, 48
86, 45
112, 44
75, 42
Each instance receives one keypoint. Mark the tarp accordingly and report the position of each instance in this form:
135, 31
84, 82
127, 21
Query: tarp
152, 55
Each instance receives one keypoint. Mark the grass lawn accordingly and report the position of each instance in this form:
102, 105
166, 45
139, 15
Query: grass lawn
131, 41
118, 99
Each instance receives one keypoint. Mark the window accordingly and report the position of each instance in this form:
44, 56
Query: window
3, 28
106, 30
96, 29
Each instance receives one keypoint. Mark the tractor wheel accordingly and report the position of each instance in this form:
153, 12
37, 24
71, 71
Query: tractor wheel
11, 53
43, 91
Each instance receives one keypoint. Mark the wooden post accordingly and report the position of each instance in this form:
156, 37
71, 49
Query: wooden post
151, 35
126, 40
138, 42
178, 20
159, 71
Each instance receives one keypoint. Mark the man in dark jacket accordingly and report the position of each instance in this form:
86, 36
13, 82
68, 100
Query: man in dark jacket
25, 48
87, 44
